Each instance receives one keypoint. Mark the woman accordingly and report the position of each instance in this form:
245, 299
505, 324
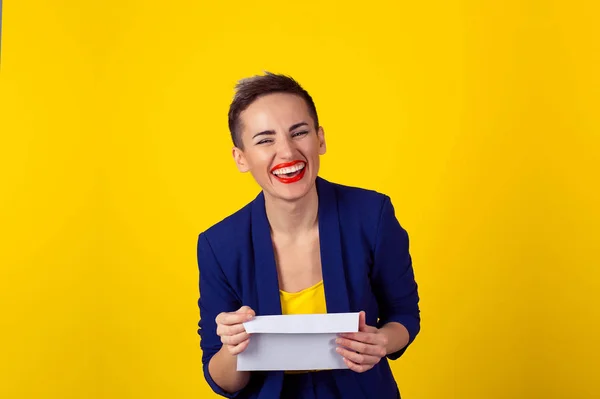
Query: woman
303, 245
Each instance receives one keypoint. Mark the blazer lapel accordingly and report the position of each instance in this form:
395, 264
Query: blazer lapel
267, 284
334, 277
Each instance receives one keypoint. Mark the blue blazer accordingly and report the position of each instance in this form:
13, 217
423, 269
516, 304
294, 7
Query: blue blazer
366, 266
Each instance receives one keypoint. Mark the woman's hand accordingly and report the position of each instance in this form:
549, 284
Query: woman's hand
364, 349
231, 330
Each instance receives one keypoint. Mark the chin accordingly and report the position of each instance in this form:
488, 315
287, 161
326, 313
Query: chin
293, 191
294, 196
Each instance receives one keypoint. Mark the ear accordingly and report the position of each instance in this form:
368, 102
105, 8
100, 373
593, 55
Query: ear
322, 144
240, 160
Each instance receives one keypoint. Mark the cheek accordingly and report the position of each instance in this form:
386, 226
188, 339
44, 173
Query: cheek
259, 161
313, 151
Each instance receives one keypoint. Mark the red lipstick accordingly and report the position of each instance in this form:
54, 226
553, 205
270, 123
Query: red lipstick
295, 176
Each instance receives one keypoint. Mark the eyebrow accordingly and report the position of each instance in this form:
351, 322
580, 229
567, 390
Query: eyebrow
272, 132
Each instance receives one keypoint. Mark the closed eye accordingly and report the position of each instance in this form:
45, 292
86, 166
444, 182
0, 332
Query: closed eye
295, 134
299, 134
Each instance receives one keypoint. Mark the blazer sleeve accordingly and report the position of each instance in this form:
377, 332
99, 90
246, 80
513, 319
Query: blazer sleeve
216, 296
393, 278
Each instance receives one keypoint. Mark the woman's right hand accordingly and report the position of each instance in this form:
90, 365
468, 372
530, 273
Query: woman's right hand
231, 330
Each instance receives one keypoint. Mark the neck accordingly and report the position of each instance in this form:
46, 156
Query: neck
293, 218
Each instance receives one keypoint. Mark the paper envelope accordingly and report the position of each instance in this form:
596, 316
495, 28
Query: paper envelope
295, 342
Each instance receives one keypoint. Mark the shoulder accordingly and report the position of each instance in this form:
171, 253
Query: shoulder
363, 210
364, 201
234, 228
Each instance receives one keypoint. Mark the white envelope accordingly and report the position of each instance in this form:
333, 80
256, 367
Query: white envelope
295, 342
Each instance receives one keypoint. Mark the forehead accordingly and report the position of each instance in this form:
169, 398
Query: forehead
274, 111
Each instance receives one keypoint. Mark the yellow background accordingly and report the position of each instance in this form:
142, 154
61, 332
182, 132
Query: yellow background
480, 119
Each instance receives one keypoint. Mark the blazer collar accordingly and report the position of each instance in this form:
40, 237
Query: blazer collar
334, 278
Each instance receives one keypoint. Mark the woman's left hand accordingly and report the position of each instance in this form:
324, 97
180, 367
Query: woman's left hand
364, 349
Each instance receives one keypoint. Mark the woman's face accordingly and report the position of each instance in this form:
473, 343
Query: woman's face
281, 146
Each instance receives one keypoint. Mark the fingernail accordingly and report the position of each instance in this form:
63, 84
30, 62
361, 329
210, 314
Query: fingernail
338, 341
338, 350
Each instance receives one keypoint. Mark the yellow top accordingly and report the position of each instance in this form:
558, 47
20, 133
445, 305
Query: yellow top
310, 300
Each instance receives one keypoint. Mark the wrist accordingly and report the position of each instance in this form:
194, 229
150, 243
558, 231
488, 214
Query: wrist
396, 336
223, 370
386, 334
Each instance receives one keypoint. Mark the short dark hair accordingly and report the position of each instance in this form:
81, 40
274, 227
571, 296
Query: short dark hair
249, 89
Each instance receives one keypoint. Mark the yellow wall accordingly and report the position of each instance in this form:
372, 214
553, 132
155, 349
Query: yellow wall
480, 119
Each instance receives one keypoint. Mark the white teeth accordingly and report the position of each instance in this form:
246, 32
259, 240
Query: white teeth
290, 169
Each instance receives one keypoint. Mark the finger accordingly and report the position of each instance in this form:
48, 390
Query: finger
229, 319
358, 358
246, 309
229, 330
359, 368
235, 339
237, 349
361, 347
366, 337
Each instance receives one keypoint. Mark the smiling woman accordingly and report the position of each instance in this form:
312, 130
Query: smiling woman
325, 247
277, 138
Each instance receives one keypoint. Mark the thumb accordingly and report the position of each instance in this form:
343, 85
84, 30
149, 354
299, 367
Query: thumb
246, 309
362, 323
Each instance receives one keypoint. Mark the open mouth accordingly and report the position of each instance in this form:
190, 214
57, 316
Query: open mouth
289, 172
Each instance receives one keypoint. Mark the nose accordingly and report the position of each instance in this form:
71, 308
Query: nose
285, 148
